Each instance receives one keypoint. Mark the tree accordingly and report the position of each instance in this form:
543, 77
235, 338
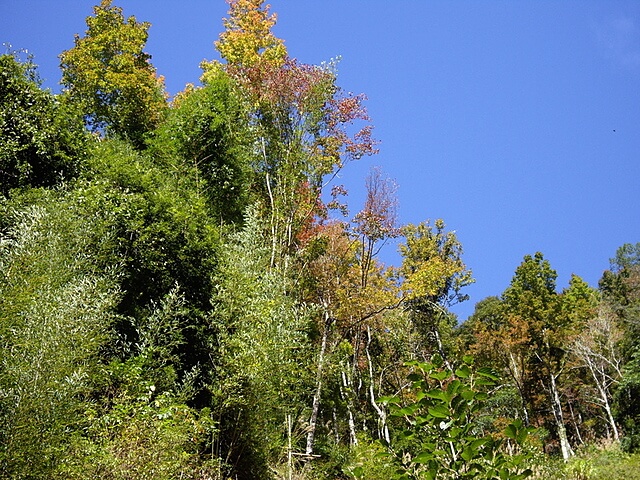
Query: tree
354, 292
205, 137
433, 275
597, 349
533, 304
259, 354
300, 121
110, 77
247, 38
620, 287
42, 141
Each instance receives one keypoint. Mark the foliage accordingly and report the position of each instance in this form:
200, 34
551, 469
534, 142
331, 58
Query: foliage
247, 37
55, 312
110, 77
205, 137
433, 275
176, 300
42, 141
441, 437
261, 364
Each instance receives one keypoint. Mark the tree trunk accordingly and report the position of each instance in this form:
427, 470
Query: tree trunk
382, 414
516, 374
346, 392
567, 451
315, 407
601, 385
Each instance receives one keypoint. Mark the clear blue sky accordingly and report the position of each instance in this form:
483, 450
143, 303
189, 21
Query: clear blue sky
516, 122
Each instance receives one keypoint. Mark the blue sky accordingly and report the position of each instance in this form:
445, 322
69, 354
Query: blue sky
517, 122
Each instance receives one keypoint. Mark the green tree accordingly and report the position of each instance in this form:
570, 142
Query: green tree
110, 77
620, 286
301, 122
42, 141
433, 276
261, 360
545, 321
205, 137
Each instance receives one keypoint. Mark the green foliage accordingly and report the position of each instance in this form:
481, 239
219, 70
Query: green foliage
370, 460
532, 293
110, 77
433, 275
205, 136
180, 307
441, 437
262, 364
55, 312
42, 141
141, 432
592, 462
627, 405
162, 233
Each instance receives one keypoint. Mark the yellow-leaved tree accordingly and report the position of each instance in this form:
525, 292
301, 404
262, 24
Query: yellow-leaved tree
110, 76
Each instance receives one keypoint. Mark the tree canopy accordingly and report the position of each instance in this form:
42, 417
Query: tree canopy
185, 291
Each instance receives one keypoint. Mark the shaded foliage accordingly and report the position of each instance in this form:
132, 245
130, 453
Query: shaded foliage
42, 141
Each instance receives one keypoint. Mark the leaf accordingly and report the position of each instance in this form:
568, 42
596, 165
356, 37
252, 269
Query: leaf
511, 431
438, 394
488, 372
468, 454
389, 400
441, 375
479, 442
437, 360
463, 372
485, 382
522, 435
468, 395
439, 411
423, 457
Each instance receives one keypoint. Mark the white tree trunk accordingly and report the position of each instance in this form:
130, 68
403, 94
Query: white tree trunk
382, 414
315, 407
567, 451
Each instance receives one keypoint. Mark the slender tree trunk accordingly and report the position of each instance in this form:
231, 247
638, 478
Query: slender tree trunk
345, 388
567, 451
575, 424
517, 378
315, 407
382, 414
604, 394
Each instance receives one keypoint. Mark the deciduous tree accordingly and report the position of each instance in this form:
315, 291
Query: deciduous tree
108, 74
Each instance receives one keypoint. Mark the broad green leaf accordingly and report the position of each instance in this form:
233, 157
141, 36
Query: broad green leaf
441, 375
463, 372
439, 411
423, 457
488, 373
468, 360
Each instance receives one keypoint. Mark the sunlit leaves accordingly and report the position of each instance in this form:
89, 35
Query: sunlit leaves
110, 76
442, 437
247, 38
432, 264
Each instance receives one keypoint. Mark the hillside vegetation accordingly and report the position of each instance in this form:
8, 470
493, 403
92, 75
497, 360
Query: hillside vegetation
185, 293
